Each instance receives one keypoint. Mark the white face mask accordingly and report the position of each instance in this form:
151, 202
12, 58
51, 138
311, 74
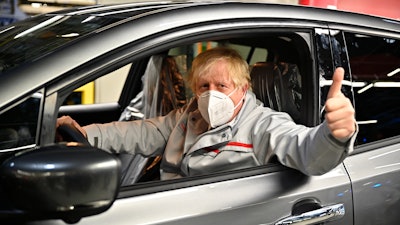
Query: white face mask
216, 107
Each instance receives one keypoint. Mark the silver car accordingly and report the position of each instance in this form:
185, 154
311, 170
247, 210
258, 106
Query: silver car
106, 63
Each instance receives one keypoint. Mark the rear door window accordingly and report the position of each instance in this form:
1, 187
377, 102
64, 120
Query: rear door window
375, 68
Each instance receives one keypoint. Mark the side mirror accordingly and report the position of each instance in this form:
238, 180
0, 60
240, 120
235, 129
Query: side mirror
59, 182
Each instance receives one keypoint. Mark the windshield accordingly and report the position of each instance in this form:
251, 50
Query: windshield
28, 40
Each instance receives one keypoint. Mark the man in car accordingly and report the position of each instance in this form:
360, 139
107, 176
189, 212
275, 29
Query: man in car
224, 127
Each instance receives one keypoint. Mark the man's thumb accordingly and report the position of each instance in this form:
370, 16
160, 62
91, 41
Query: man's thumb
337, 82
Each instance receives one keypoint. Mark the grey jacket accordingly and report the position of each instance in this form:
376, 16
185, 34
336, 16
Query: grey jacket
255, 136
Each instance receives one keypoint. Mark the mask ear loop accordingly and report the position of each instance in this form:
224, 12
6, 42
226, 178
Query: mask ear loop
229, 95
241, 100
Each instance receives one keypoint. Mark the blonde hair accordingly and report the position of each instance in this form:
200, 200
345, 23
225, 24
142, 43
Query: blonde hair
238, 68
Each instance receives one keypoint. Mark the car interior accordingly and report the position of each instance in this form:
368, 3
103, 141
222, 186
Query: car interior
276, 81
158, 84
278, 63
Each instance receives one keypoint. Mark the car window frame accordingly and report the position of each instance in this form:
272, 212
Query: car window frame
38, 92
382, 110
157, 43
382, 32
152, 187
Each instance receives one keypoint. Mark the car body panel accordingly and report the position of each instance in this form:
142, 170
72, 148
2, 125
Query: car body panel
248, 200
367, 183
135, 29
376, 184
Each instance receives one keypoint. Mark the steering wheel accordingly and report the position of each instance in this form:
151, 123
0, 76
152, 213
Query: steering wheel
71, 133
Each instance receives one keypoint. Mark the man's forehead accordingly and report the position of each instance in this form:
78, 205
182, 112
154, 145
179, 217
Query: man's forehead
218, 70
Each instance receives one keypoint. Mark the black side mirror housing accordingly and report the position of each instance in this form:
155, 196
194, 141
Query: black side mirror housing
59, 182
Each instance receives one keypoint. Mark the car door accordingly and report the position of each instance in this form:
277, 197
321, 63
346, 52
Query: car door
374, 168
262, 195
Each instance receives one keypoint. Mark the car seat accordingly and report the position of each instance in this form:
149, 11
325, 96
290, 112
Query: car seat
262, 78
278, 86
163, 91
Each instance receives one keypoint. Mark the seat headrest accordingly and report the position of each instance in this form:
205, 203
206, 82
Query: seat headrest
262, 79
278, 86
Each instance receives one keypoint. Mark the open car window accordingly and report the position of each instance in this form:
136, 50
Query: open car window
278, 64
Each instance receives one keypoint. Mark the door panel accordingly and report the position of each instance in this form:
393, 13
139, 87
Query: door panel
375, 170
375, 176
262, 199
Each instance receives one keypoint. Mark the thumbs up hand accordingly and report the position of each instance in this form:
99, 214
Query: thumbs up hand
339, 110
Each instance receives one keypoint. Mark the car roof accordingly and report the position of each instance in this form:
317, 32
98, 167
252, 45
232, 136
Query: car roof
289, 10
161, 16
125, 10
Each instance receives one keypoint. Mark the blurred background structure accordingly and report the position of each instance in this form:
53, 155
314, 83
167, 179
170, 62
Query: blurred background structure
384, 8
32, 7
10, 12
14, 10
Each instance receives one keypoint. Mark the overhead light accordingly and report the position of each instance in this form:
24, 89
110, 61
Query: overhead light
393, 72
39, 26
358, 84
365, 88
70, 35
7, 29
367, 122
379, 85
324, 83
88, 19
387, 84
36, 5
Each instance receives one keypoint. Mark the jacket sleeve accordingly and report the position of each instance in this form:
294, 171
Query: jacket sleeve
147, 137
313, 151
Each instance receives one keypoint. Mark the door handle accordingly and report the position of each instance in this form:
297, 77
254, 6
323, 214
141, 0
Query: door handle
324, 214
